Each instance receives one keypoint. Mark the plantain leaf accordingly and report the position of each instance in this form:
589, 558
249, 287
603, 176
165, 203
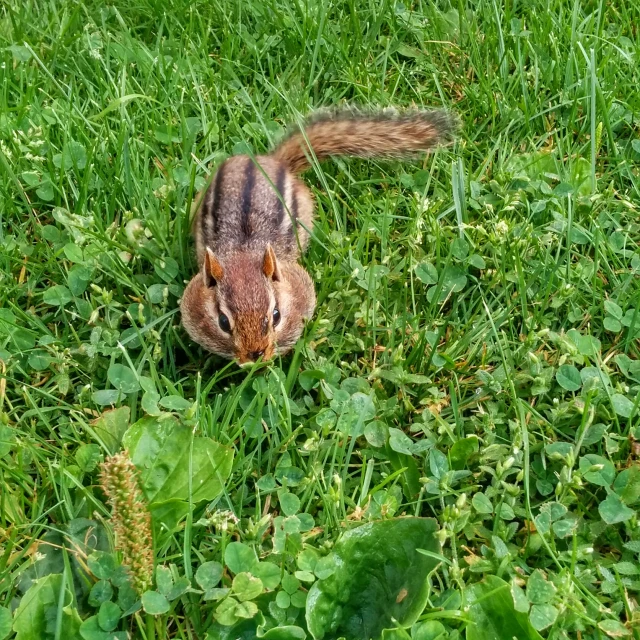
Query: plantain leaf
380, 577
39, 605
162, 450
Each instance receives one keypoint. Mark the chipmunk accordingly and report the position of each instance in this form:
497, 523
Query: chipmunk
250, 298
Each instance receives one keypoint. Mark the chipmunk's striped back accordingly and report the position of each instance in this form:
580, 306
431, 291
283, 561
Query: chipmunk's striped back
253, 202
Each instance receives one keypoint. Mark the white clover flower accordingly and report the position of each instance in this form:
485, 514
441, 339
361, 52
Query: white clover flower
162, 193
502, 228
5, 149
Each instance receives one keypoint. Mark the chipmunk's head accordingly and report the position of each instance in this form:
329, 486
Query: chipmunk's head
247, 306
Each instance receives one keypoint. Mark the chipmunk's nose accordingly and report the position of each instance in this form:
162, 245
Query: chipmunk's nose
254, 355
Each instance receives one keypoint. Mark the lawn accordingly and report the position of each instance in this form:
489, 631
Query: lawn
473, 363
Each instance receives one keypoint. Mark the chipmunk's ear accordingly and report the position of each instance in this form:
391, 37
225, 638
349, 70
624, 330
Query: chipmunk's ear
212, 270
270, 264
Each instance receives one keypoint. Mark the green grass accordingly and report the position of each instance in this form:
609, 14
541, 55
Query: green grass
484, 304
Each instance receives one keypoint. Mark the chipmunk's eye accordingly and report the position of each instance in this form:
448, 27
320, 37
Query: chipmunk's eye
223, 321
276, 317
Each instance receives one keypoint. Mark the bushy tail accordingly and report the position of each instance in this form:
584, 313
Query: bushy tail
382, 134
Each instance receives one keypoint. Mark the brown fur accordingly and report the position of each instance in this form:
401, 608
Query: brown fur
365, 136
254, 220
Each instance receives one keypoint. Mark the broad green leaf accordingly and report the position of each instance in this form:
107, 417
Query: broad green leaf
627, 568
166, 515
564, 528
209, 575
181, 585
539, 590
30, 620
45, 191
460, 248
427, 273
454, 279
597, 470
289, 502
109, 615
39, 360
379, 577
283, 633
290, 583
627, 485
462, 450
100, 592
217, 593
593, 434
154, 603
162, 449
613, 510
20, 53
612, 324
299, 599
542, 616
246, 587
90, 630
493, 614
614, 628
622, 405
149, 403
588, 345
592, 378
505, 511
5, 622
236, 630
87, 457
269, 573
520, 601
477, 261
481, 503
266, 482
568, 377
438, 463
102, 565
246, 609
400, 441
128, 599
111, 426
104, 397
613, 309
7, 439
175, 403
57, 296
225, 612
239, 557
73, 154
554, 509
167, 269
305, 576
123, 378
558, 450
631, 318
164, 580
429, 630
311, 378
283, 599
73, 252
376, 433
